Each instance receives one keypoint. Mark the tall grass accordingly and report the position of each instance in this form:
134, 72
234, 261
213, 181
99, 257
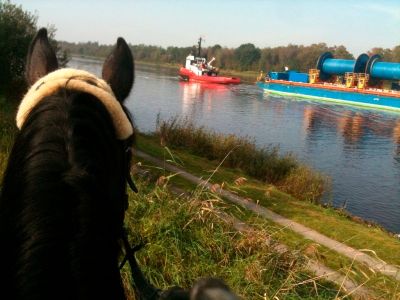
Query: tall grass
265, 164
187, 239
305, 183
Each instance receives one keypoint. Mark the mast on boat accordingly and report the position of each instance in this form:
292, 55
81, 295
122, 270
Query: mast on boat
199, 47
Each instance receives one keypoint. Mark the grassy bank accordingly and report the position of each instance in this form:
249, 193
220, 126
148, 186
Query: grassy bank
327, 220
334, 223
265, 164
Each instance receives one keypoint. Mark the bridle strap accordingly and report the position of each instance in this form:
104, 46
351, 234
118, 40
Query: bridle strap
128, 155
131, 183
143, 289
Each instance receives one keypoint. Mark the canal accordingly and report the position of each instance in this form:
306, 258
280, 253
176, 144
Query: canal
358, 148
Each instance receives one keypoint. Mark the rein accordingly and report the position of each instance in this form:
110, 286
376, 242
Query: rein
143, 289
129, 180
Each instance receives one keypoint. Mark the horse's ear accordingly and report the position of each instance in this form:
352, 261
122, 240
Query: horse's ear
118, 70
41, 58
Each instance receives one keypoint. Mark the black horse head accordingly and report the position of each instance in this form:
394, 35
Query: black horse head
64, 190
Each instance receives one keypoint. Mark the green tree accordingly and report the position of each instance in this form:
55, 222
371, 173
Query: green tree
247, 55
17, 28
386, 54
63, 55
341, 52
396, 54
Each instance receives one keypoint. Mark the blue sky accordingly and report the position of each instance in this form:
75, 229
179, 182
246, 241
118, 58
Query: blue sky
358, 25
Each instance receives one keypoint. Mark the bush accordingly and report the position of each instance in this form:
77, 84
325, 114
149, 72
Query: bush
17, 29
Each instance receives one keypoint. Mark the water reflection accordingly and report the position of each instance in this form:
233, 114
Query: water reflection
91, 65
354, 126
396, 139
196, 94
277, 106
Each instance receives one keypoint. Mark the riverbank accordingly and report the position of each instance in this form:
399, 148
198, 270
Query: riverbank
336, 224
329, 221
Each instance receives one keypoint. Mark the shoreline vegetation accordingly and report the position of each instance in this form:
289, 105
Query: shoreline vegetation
245, 58
186, 239
265, 164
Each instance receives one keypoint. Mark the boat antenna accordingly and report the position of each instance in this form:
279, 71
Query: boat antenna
199, 47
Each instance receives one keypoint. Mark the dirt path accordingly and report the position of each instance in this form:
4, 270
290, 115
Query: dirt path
354, 254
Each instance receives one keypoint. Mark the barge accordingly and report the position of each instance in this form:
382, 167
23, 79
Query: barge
366, 81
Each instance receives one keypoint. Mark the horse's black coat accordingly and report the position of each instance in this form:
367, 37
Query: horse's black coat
63, 199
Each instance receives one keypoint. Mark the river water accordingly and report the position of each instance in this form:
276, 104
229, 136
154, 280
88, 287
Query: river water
358, 148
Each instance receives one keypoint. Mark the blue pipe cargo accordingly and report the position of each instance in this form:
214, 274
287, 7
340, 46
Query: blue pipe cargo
386, 70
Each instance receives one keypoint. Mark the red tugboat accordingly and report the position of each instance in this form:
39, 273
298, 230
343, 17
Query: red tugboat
198, 69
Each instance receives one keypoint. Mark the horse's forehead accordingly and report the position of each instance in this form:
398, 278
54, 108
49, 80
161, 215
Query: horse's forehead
81, 81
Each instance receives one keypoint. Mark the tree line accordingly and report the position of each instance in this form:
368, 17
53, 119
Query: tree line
17, 28
247, 57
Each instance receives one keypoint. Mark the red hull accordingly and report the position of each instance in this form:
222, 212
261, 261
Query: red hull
188, 75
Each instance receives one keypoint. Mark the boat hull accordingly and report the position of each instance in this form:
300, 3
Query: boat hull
367, 98
187, 75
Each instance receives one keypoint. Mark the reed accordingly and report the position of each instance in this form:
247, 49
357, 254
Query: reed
265, 164
306, 184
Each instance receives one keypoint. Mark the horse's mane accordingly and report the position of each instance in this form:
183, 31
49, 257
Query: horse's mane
64, 201
63, 195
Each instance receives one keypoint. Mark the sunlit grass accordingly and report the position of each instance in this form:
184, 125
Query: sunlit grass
305, 183
266, 164
324, 220
187, 239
